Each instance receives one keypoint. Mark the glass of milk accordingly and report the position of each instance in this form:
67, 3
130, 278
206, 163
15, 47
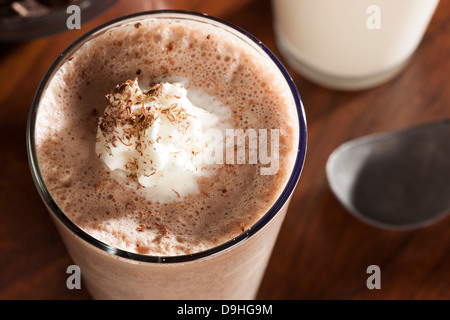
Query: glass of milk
350, 44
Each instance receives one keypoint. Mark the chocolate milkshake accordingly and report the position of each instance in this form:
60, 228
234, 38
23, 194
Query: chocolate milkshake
127, 172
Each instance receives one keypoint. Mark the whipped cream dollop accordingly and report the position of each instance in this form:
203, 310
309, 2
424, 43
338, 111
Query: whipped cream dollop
155, 137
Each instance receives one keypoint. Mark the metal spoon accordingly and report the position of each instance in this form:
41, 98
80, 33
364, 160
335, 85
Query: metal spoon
398, 180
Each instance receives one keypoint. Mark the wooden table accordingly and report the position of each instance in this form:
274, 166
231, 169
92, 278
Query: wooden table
323, 251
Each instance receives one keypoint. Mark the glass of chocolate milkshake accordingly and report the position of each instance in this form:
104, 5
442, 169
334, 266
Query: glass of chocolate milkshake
166, 146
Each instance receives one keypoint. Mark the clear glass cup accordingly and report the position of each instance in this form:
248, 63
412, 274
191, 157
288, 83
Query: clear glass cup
232, 270
350, 44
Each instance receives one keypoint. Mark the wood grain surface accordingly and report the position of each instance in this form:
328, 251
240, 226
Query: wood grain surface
322, 251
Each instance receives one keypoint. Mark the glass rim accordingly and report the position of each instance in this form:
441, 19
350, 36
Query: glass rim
264, 220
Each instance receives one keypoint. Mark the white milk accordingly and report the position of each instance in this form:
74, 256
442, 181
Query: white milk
350, 44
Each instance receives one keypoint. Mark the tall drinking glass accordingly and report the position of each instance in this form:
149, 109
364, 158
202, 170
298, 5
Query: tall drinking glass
231, 270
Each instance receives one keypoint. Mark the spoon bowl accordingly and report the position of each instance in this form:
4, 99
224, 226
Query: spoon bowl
397, 180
